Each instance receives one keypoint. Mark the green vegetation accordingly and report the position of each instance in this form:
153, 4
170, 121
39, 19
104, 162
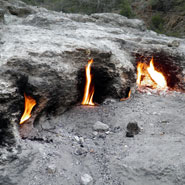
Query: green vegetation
167, 5
126, 9
157, 23
173, 34
162, 16
86, 6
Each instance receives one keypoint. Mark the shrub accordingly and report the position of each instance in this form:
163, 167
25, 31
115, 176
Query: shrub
126, 9
157, 23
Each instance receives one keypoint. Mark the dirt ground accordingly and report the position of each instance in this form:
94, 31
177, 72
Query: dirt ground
68, 147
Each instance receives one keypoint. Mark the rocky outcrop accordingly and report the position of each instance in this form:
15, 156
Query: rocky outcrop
44, 53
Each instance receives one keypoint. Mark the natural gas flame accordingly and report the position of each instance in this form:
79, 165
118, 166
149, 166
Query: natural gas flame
129, 94
157, 76
148, 76
88, 93
29, 104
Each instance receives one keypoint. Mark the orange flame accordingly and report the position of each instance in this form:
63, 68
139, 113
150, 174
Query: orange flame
157, 76
29, 104
148, 76
88, 95
129, 94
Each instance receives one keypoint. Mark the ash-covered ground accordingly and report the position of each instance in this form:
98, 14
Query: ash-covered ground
70, 152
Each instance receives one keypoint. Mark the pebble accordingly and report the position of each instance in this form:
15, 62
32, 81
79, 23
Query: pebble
80, 151
108, 132
51, 169
102, 136
95, 133
109, 101
77, 138
86, 179
174, 43
100, 127
80, 140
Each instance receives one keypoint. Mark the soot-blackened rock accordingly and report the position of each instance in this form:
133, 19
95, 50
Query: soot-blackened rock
132, 129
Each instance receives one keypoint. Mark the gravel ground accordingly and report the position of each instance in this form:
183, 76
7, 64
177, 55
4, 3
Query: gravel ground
69, 152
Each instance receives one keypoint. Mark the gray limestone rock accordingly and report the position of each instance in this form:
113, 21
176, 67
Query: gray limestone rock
86, 179
101, 127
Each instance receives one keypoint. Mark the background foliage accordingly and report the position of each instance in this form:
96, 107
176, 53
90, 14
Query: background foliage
162, 16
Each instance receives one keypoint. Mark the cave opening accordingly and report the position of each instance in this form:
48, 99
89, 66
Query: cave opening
102, 80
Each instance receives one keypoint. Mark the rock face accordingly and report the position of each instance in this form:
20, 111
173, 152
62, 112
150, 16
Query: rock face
44, 53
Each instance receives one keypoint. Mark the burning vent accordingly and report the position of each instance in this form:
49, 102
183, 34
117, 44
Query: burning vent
148, 76
29, 104
97, 81
160, 72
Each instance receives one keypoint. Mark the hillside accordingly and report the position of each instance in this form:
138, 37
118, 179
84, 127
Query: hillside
163, 16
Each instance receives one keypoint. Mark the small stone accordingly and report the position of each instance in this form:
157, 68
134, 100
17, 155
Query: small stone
91, 151
174, 43
51, 169
102, 136
132, 129
100, 127
162, 133
109, 101
77, 138
116, 129
86, 179
80, 151
108, 132
95, 133
81, 140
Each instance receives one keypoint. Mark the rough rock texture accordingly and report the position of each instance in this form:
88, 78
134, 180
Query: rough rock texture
44, 53
132, 129
99, 126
